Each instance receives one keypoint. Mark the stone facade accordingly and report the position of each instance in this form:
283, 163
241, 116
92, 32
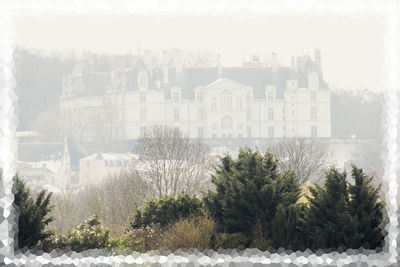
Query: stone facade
209, 102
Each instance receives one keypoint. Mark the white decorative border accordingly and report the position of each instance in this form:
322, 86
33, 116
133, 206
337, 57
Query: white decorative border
9, 10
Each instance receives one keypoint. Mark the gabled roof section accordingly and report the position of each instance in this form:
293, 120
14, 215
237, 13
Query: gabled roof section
225, 83
131, 84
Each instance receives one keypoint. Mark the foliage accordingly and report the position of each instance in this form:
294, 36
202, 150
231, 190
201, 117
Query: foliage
141, 239
249, 190
33, 214
366, 211
195, 232
354, 113
230, 241
88, 235
328, 219
288, 227
261, 243
343, 215
167, 210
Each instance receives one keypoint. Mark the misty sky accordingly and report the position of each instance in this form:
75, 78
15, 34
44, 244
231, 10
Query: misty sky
351, 47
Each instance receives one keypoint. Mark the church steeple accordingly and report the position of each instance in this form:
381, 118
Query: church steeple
65, 158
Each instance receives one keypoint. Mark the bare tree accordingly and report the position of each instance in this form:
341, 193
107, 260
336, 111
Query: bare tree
368, 155
113, 201
122, 195
305, 157
172, 163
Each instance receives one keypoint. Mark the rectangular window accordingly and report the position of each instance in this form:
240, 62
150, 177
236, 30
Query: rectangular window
313, 114
226, 103
314, 132
142, 97
199, 114
313, 96
271, 133
200, 132
214, 126
142, 113
213, 104
143, 131
239, 103
270, 114
176, 114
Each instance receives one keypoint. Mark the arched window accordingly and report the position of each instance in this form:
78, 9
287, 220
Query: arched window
226, 122
226, 103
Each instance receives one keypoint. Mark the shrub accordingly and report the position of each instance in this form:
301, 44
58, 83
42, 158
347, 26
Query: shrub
141, 239
233, 240
261, 243
167, 210
196, 232
88, 235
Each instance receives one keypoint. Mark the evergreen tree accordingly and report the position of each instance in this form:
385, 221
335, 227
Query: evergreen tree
345, 216
166, 210
248, 191
288, 227
329, 223
366, 211
33, 217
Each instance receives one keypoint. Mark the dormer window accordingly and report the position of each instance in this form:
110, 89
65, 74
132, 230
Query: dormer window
142, 81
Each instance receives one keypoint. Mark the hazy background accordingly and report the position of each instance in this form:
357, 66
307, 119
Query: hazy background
351, 47
49, 47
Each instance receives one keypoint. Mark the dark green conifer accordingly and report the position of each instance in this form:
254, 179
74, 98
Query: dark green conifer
328, 221
33, 214
366, 210
248, 191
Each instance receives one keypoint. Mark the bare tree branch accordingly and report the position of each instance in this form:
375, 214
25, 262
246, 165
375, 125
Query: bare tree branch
172, 163
305, 157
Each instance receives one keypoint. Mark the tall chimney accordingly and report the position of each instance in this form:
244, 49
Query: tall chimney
317, 61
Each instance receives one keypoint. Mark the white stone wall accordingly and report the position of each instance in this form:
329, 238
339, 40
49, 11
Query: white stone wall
229, 109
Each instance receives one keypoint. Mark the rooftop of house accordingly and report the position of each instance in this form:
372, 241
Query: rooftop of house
189, 77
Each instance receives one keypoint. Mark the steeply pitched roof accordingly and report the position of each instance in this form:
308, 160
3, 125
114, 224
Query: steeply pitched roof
96, 83
131, 84
256, 77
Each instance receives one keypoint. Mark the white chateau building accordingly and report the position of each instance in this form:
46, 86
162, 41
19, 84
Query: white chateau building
104, 107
